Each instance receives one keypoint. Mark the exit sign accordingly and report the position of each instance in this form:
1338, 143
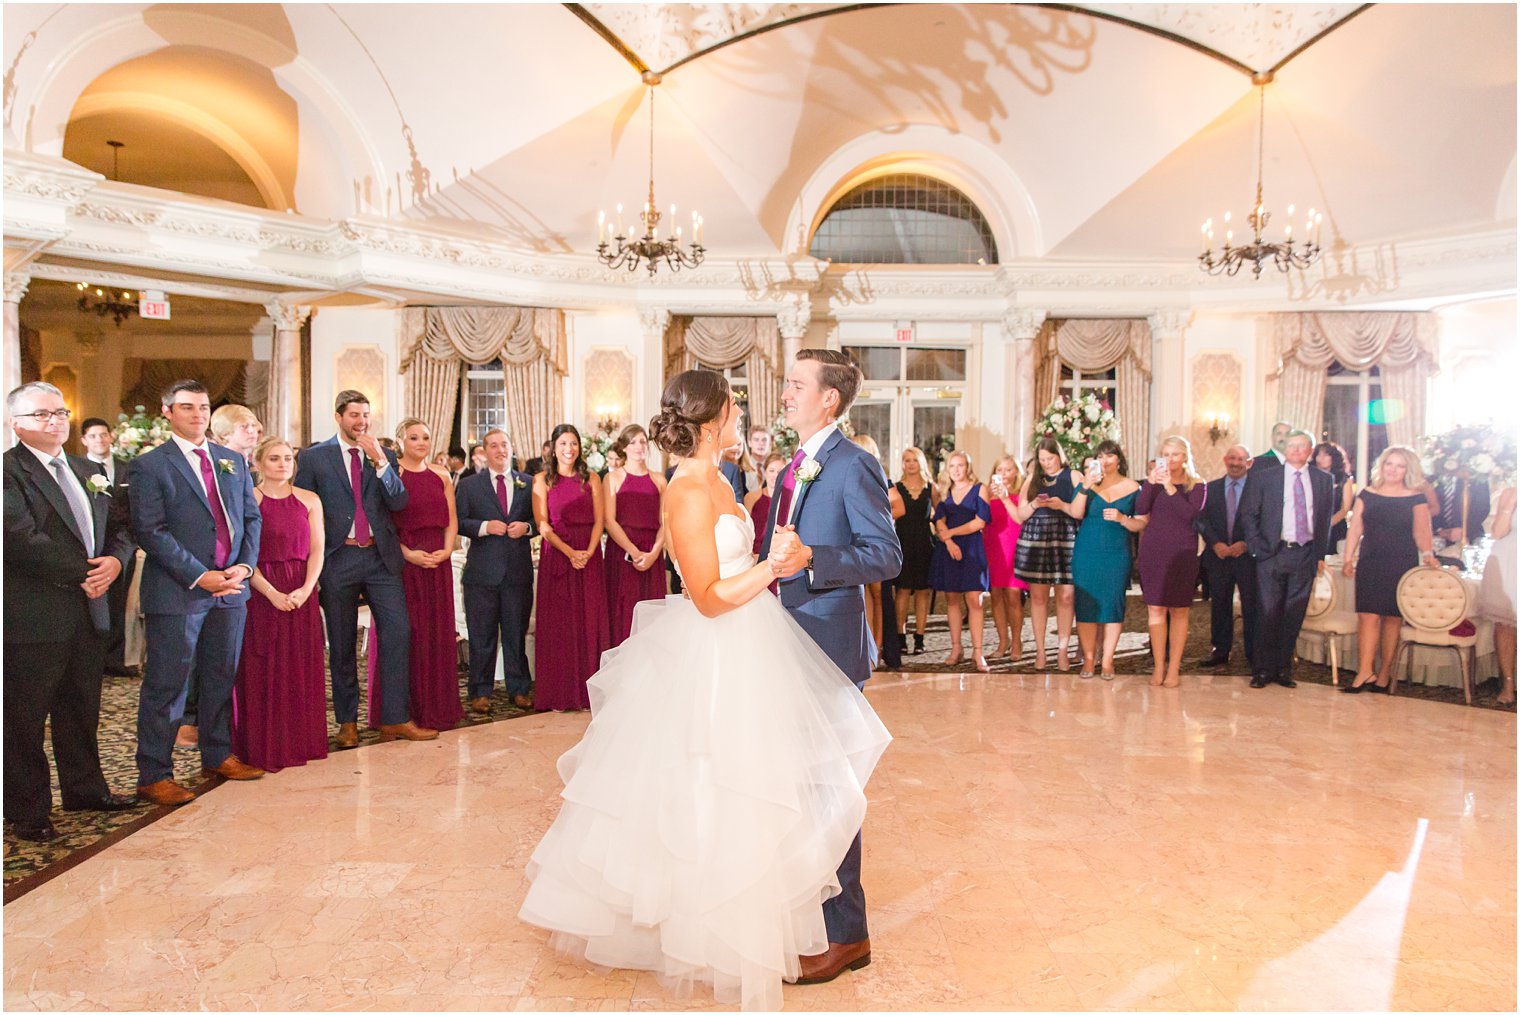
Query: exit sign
905, 331
153, 306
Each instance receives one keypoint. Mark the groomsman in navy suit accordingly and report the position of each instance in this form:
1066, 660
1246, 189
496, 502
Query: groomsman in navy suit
65, 546
194, 515
496, 513
359, 485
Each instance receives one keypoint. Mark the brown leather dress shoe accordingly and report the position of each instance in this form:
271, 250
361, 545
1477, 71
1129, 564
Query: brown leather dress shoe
348, 734
480, 706
825, 967
165, 793
406, 731
522, 700
232, 768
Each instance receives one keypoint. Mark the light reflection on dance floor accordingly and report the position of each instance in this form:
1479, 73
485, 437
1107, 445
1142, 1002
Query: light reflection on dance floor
1034, 843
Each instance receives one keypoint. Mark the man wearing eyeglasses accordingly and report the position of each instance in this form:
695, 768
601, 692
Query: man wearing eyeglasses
66, 543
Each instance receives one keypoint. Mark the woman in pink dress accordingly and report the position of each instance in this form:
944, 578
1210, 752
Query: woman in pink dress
636, 567
427, 528
279, 703
1001, 539
572, 599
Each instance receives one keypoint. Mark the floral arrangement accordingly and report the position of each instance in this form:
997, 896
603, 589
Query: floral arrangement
784, 438
137, 434
1078, 424
596, 449
1478, 449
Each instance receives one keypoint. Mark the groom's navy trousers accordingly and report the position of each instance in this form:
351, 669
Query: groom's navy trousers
843, 515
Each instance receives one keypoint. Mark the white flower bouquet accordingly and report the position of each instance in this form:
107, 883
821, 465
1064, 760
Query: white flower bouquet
1078, 424
137, 434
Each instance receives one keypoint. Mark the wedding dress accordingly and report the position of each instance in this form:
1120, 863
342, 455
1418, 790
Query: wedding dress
717, 789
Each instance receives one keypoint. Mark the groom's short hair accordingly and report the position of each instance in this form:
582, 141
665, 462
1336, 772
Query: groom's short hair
837, 371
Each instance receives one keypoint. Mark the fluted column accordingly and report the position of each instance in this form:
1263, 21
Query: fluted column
792, 321
287, 413
1020, 328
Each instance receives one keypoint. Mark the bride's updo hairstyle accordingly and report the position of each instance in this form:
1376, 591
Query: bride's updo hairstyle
690, 399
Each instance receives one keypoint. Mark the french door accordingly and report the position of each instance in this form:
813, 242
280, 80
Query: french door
912, 397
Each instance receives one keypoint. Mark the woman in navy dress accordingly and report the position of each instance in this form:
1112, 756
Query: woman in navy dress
1100, 562
913, 499
1168, 507
1046, 542
572, 595
1331, 457
636, 569
1390, 533
427, 528
958, 567
279, 703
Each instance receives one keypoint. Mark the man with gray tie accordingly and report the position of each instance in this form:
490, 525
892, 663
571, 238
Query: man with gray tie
1227, 561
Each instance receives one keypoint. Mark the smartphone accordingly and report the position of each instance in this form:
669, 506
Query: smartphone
628, 556
1161, 464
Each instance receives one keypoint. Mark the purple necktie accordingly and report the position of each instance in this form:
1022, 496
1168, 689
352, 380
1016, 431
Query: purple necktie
788, 484
1231, 502
1300, 509
501, 495
356, 476
218, 513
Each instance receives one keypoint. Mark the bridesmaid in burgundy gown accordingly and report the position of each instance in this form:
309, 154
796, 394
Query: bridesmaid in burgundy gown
571, 618
634, 530
279, 703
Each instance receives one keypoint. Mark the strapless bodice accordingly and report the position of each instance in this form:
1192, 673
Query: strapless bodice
735, 546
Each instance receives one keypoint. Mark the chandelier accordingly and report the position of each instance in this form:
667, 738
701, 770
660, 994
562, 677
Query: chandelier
648, 248
1285, 254
120, 305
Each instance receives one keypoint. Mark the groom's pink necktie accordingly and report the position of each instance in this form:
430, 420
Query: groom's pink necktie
788, 485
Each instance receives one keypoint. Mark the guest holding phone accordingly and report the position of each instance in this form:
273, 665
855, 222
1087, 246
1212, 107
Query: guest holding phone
1002, 540
1046, 541
1168, 511
1100, 562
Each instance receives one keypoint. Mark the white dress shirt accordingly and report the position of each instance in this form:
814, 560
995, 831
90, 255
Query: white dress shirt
510, 491
73, 496
348, 477
192, 455
109, 461
1288, 533
810, 449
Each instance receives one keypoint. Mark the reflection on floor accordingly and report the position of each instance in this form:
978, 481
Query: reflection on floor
1034, 843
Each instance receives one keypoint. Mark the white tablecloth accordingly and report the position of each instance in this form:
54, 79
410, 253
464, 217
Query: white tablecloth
1430, 665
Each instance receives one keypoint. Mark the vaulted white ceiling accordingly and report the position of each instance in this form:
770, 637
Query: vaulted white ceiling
1082, 136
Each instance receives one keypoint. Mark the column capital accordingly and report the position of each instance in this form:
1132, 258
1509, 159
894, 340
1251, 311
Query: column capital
1022, 324
15, 285
794, 316
1170, 322
287, 316
654, 320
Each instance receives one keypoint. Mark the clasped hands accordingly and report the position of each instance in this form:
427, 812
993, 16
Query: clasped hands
223, 583
426, 558
103, 571
1224, 551
789, 554
513, 530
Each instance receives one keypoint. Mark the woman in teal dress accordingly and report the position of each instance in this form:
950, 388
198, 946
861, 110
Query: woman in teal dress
1100, 561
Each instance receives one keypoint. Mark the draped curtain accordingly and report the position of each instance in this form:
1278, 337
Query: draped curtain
1401, 345
1094, 345
725, 342
143, 380
437, 342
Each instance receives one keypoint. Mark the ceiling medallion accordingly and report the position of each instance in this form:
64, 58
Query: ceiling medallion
648, 249
1285, 254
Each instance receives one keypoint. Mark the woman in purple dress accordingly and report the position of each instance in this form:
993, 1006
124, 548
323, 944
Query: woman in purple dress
572, 598
1169, 504
427, 528
636, 568
279, 703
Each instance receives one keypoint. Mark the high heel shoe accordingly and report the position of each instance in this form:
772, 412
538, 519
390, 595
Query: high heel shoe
918, 644
980, 662
1358, 686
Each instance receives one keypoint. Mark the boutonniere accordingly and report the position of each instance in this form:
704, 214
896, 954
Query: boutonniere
225, 464
99, 484
519, 484
808, 471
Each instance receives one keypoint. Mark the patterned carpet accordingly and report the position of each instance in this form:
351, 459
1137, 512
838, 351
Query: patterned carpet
118, 725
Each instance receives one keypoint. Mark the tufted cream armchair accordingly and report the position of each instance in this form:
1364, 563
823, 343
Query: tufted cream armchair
1329, 618
1433, 601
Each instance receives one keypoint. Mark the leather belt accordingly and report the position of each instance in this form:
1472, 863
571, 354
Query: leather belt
1291, 545
363, 546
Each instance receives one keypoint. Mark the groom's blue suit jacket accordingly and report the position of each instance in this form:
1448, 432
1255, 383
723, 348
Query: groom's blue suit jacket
844, 516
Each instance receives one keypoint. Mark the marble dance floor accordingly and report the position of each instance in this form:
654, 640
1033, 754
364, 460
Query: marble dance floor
1033, 843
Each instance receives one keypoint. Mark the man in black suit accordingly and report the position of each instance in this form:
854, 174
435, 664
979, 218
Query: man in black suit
1287, 527
537, 465
360, 488
495, 509
66, 544
1464, 507
1227, 560
96, 435
1273, 457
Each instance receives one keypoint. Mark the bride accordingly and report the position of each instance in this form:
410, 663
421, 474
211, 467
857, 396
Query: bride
717, 788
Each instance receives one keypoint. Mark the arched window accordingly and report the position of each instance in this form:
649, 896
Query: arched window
905, 218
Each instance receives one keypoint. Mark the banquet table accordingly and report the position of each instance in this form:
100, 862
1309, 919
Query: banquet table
1437, 667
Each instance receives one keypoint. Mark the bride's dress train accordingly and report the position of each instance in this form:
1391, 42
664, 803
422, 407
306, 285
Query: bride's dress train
717, 789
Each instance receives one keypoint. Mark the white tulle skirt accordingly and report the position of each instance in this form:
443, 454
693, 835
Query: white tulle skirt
716, 791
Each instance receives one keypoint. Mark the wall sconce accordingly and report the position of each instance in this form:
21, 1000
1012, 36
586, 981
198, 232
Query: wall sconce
606, 418
1219, 427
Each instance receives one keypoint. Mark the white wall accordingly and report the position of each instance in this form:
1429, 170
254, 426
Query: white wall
1479, 361
588, 331
335, 330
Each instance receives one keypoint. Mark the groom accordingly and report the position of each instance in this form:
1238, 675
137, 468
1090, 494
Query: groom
831, 533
